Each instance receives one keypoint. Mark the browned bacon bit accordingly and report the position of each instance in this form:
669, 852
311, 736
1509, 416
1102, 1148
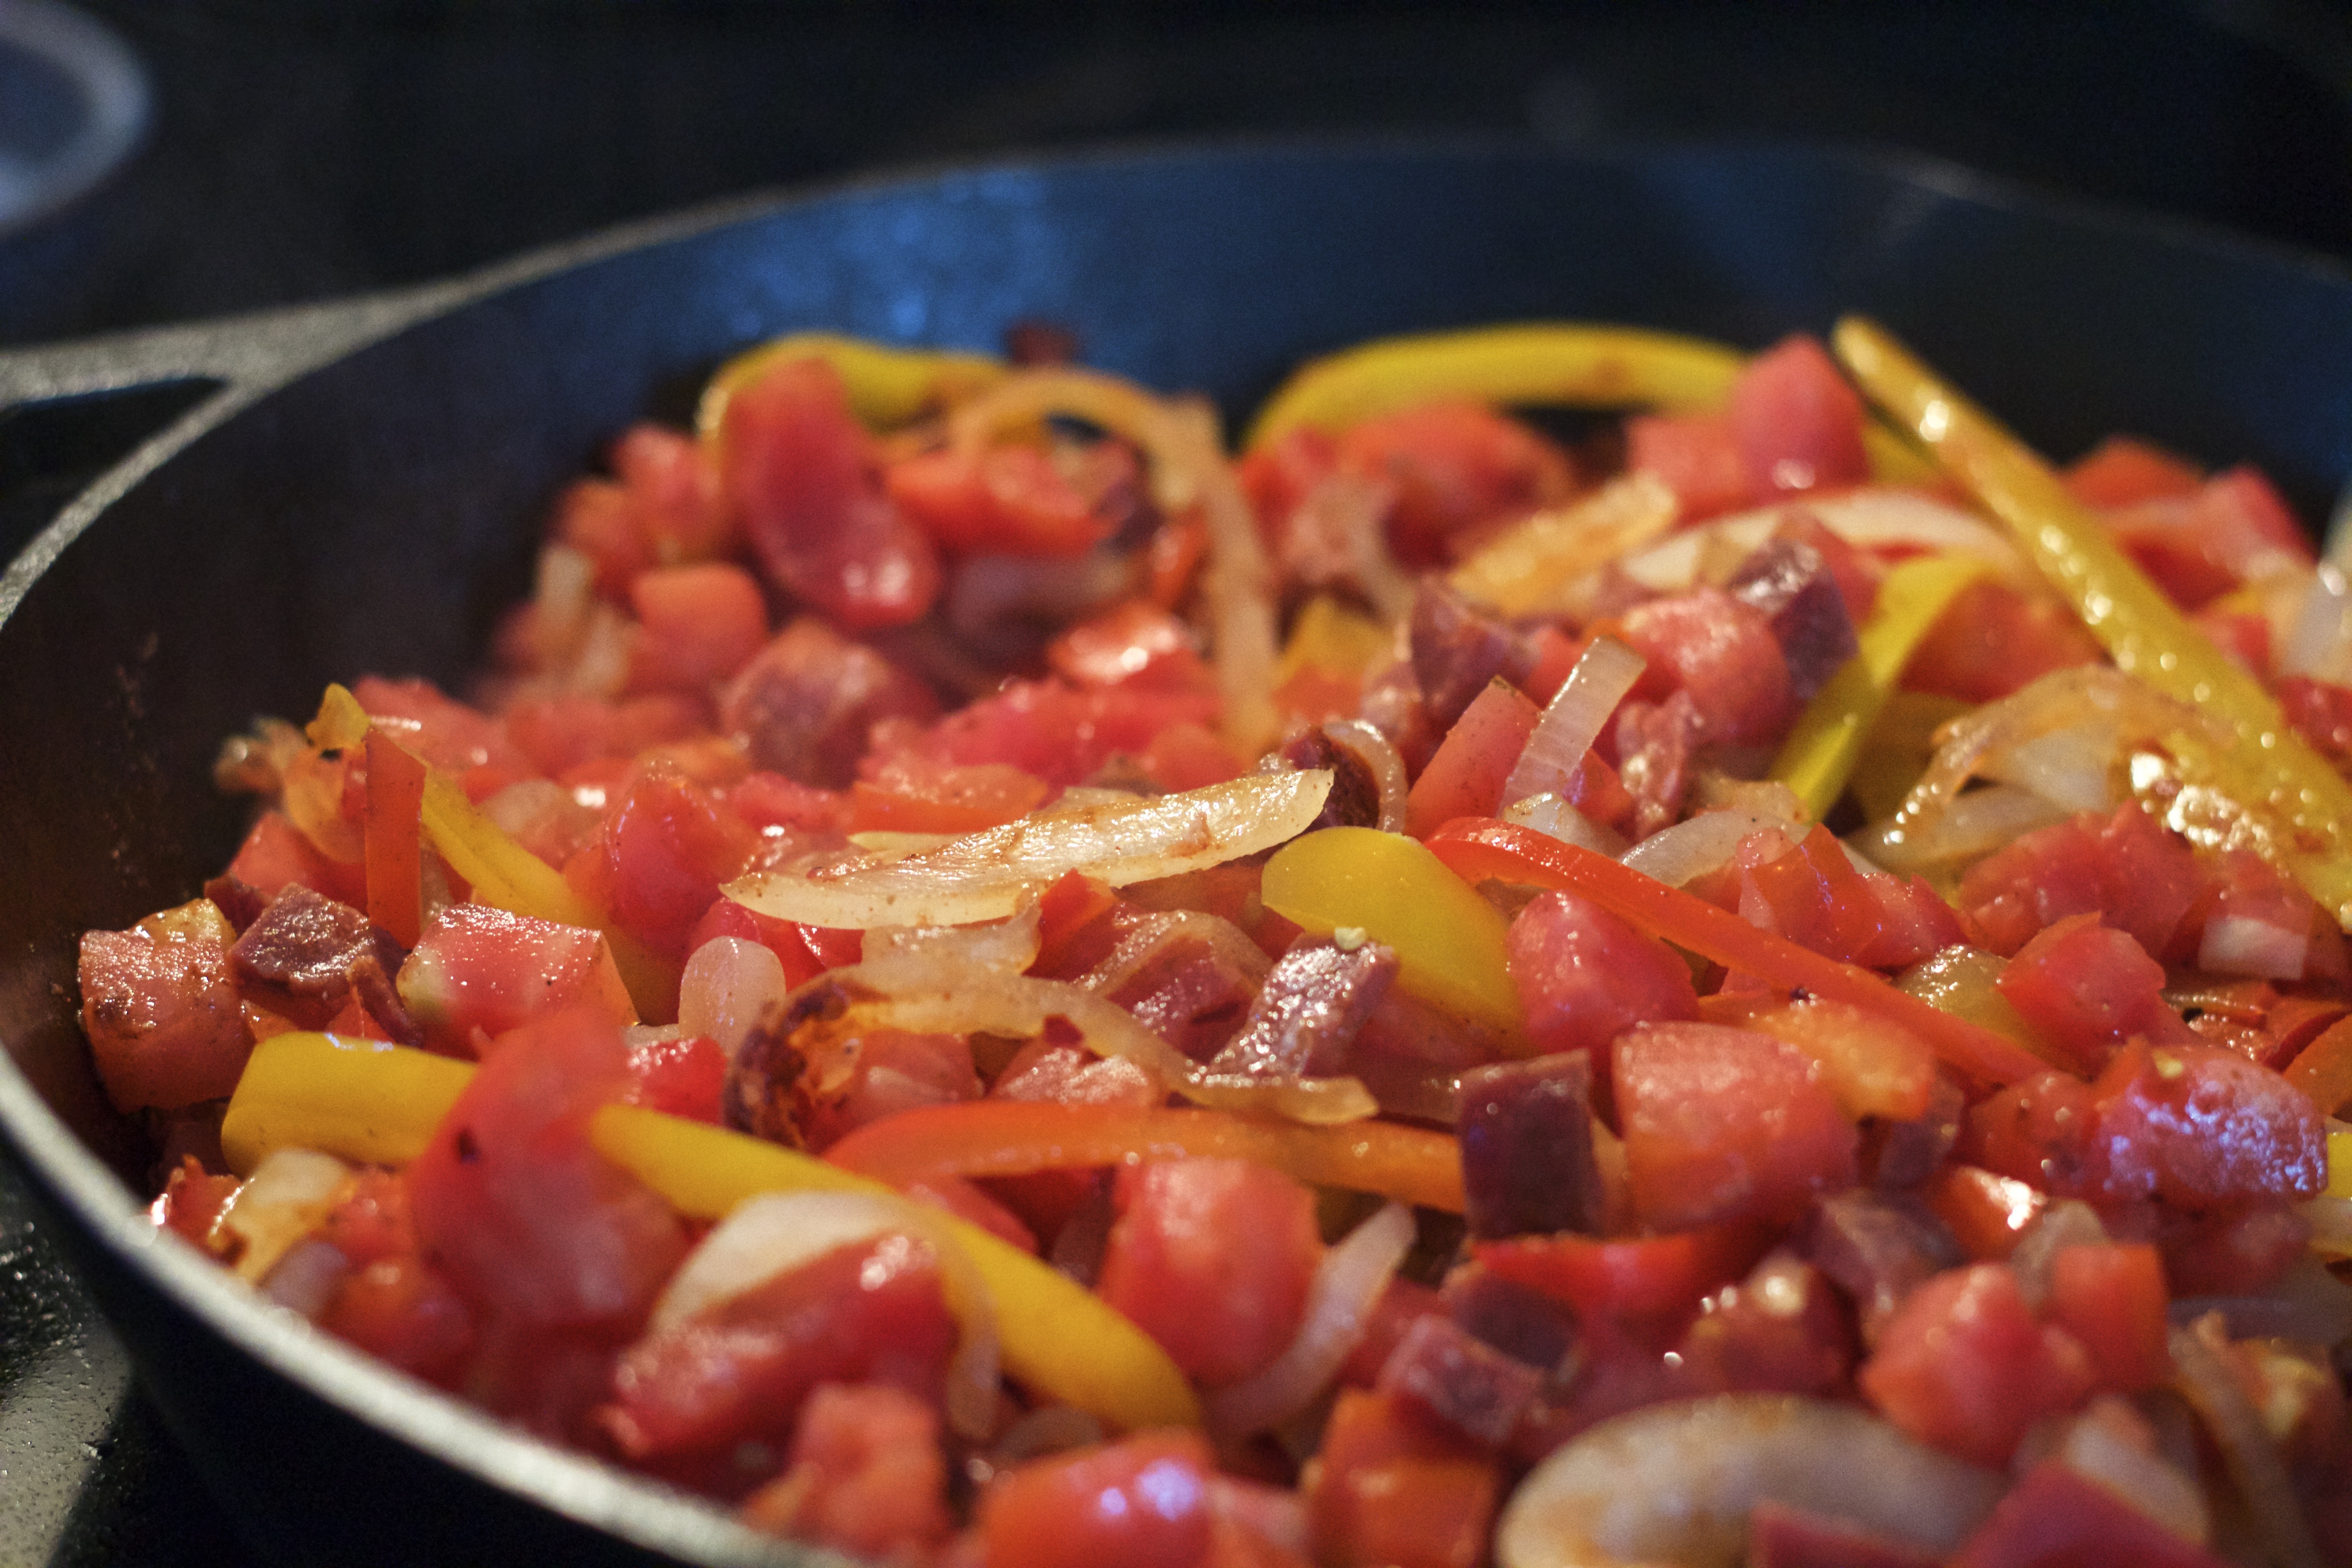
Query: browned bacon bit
1527, 1164
1905, 1154
1518, 1320
298, 955
1191, 994
1442, 1371
241, 902
1306, 1015
376, 992
803, 705
1355, 798
764, 1077
1789, 582
1456, 651
1875, 1245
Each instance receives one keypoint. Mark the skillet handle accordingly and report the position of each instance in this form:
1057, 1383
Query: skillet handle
71, 412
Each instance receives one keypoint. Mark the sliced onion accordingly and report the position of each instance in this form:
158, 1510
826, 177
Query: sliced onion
728, 985
1571, 723
1152, 932
306, 1279
2213, 1392
1020, 1007
2068, 767
1697, 844
2110, 1443
766, 1235
1348, 1283
1674, 1483
1975, 825
2254, 947
1554, 817
2318, 639
1873, 517
986, 876
2308, 1304
904, 957
1545, 560
1188, 469
2069, 1222
1378, 753
287, 1197
1351, 509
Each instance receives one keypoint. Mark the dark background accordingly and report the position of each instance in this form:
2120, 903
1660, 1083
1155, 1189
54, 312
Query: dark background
301, 151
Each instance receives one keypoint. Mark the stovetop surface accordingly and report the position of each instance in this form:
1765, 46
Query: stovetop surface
298, 152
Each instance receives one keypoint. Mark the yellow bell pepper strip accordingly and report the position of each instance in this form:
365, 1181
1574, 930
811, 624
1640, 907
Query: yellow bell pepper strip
1477, 849
2323, 1069
1448, 939
1011, 1137
363, 1101
1818, 754
395, 866
2266, 784
1572, 363
2340, 1164
888, 386
1329, 637
1576, 364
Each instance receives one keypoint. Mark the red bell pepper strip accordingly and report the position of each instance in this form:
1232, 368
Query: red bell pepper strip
395, 797
1011, 1137
1480, 848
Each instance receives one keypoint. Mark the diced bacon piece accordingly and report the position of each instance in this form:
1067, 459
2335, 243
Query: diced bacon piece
1963, 1365
159, 1002
1527, 1162
1444, 1374
803, 705
1793, 583
1878, 1247
300, 958
866, 1476
1458, 650
1307, 1013
1518, 1320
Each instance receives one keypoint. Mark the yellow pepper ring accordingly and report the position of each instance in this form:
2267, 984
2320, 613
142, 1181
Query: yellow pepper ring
888, 386
365, 1101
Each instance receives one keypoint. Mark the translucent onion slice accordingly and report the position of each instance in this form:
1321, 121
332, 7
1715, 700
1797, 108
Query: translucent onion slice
1871, 518
288, 1196
1020, 1007
1552, 815
1674, 1484
1347, 1282
1697, 844
1976, 824
1573, 721
1188, 470
2318, 641
2213, 1391
728, 986
762, 1237
2068, 767
986, 876
915, 957
1380, 754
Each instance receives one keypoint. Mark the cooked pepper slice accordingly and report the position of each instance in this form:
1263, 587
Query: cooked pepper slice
1477, 849
1448, 939
888, 386
364, 1100
1011, 1137
1821, 750
395, 794
2268, 784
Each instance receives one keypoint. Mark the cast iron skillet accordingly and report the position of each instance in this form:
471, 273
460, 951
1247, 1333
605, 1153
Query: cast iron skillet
357, 488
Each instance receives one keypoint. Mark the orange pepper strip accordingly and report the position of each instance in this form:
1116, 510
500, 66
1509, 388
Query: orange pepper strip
2323, 1069
1480, 848
1010, 1138
395, 796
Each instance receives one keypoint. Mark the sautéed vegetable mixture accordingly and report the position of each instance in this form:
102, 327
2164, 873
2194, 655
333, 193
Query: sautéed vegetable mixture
1584, 949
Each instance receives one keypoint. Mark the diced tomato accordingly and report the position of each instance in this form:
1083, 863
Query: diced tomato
1784, 1328
1696, 456
1466, 777
1585, 975
476, 971
160, 1006
866, 1476
563, 731
680, 1078
2126, 868
453, 736
2249, 919
1143, 1502
1725, 1125
1796, 421
913, 794
1190, 756
1135, 642
1059, 734
1172, 560
738, 1371
696, 626
1963, 1365
1720, 650
966, 1200
2200, 1126
798, 469
1634, 1277
2239, 1249
1213, 1258
274, 854
1992, 640
1455, 466
1386, 1491
2122, 470
1277, 476
2112, 1300
2086, 987
399, 1308
2055, 1517
596, 517
765, 800
657, 860
1988, 1213
675, 490
1004, 501
516, 1209
2321, 712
